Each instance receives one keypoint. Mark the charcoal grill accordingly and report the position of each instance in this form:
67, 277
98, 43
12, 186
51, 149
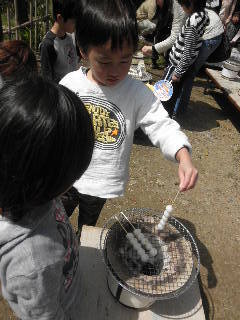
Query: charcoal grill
168, 274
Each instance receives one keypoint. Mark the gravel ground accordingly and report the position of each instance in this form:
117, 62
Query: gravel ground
210, 211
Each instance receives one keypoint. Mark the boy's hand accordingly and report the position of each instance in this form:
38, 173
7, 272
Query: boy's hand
187, 173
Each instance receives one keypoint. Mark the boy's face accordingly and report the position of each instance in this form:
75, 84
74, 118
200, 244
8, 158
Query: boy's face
108, 67
66, 26
69, 25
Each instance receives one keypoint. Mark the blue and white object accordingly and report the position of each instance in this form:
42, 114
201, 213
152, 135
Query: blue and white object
163, 89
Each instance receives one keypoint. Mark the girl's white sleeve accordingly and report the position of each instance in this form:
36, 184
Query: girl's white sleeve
179, 18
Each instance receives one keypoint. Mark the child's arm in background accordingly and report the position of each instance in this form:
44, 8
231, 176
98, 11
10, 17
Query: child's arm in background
190, 50
187, 173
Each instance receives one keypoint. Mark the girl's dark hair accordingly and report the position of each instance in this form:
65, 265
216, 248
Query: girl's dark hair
198, 5
46, 139
102, 20
66, 8
17, 60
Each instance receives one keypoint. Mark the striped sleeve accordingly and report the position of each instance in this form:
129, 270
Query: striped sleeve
213, 4
191, 49
186, 48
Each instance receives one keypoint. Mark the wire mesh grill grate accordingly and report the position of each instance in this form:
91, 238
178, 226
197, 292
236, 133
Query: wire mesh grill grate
166, 275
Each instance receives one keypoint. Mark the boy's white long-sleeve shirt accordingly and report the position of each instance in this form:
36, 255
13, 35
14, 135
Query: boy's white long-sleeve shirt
117, 111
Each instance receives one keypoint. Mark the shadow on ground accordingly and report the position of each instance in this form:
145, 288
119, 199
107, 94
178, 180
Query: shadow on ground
206, 261
227, 107
200, 116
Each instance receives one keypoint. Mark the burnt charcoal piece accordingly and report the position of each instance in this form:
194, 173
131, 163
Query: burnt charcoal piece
149, 269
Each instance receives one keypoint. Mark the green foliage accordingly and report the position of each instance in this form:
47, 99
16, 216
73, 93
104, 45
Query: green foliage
24, 33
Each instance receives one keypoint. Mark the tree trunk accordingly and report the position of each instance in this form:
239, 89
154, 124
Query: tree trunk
22, 9
1, 28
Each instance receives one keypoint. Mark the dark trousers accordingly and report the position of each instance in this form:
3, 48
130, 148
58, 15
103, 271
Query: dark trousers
89, 206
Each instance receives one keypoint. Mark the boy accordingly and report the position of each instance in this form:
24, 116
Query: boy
57, 50
107, 36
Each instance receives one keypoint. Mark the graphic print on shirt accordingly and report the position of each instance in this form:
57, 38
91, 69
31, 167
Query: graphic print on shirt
108, 122
70, 243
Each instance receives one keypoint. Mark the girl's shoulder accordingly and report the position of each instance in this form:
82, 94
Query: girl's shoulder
196, 19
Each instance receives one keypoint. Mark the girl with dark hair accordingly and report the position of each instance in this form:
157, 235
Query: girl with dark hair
107, 35
46, 139
200, 36
17, 61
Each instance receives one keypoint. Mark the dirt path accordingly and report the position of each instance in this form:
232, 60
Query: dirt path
210, 211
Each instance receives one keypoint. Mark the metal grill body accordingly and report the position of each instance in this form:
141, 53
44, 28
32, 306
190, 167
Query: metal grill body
168, 274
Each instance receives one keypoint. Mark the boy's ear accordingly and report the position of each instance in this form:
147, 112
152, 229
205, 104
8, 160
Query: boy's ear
59, 18
83, 54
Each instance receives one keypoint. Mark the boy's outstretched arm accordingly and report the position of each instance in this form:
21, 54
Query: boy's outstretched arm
187, 173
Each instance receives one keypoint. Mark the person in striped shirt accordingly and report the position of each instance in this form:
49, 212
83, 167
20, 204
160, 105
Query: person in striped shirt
185, 49
214, 5
187, 56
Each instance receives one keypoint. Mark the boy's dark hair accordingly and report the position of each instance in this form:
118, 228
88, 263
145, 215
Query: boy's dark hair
46, 139
198, 5
17, 60
66, 8
102, 20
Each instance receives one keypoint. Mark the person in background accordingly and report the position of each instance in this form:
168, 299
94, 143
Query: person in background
107, 34
146, 16
214, 5
173, 18
46, 139
200, 36
227, 10
17, 61
233, 27
57, 50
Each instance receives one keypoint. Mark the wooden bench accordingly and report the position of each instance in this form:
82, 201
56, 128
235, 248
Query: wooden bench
97, 303
230, 87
